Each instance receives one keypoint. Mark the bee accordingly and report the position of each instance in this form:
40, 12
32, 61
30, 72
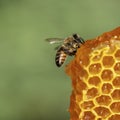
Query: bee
68, 47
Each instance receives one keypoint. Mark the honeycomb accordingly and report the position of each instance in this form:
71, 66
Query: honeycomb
95, 74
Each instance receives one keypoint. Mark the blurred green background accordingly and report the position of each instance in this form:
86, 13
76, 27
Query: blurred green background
31, 86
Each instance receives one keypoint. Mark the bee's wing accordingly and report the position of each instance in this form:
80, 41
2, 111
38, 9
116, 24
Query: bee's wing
57, 47
54, 40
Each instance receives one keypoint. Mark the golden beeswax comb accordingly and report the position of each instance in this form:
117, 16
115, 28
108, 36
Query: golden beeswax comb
95, 74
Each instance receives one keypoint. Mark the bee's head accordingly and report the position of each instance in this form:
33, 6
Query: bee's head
75, 36
78, 38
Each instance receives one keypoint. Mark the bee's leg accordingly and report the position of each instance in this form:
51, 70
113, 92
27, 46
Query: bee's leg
69, 53
66, 51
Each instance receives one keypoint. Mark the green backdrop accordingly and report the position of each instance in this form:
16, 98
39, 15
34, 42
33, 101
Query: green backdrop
31, 86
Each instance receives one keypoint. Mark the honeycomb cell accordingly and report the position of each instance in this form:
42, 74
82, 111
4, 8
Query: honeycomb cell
88, 115
102, 111
107, 75
116, 94
108, 61
99, 119
116, 82
117, 68
115, 117
115, 107
87, 105
96, 58
95, 80
91, 93
106, 88
112, 50
95, 68
103, 100
117, 54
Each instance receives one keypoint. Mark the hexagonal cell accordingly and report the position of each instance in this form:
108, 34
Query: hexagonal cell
117, 54
108, 61
97, 57
79, 97
103, 100
116, 94
99, 118
106, 88
111, 50
115, 107
87, 105
102, 111
91, 93
95, 80
107, 75
116, 82
117, 67
88, 115
115, 117
95, 68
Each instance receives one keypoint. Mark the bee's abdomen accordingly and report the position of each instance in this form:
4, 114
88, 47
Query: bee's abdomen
60, 57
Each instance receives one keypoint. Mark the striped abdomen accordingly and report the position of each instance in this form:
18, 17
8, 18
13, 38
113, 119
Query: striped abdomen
60, 57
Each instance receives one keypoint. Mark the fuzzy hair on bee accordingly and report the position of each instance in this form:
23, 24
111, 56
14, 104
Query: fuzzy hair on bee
68, 47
